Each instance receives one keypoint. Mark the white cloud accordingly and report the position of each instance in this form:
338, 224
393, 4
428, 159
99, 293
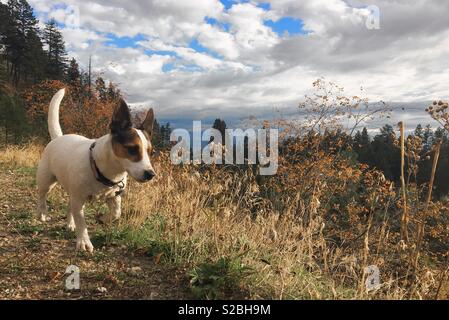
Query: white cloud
221, 42
80, 39
246, 64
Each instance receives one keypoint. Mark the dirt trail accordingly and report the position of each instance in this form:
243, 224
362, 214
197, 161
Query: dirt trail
34, 255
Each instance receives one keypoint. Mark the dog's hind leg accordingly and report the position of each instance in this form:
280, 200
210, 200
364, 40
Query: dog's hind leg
82, 237
115, 211
45, 182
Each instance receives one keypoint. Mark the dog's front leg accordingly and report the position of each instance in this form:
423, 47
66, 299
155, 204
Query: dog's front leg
70, 220
115, 210
82, 237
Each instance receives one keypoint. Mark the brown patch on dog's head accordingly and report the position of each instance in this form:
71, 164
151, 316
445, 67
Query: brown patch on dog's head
126, 142
128, 145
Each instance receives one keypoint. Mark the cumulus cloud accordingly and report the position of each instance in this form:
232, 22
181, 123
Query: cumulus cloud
197, 56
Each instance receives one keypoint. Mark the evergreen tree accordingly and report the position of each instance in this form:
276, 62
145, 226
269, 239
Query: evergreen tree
56, 53
385, 156
428, 138
73, 73
5, 25
220, 125
12, 118
419, 132
35, 58
358, 139
441, 134
113, 92
100, 88
21, 41
365, 139
362, 146
156, 137
167, 132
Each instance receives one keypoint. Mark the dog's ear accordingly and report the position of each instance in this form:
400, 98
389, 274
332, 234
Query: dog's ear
148, 123
121, 119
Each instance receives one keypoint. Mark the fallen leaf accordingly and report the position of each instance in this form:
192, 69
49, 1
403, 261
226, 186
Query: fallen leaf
157, 258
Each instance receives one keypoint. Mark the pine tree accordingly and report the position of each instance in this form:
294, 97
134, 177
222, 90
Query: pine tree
5, 23
220, 125
441, 134
428, 138
22, 44
362, 146
157, 137
419, 131
166, 136
100, 88
385, 155
34, 58
113, 92
56, 53
365, 139
73, 73
12, 118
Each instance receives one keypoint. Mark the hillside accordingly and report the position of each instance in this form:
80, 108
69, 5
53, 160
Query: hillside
189, 235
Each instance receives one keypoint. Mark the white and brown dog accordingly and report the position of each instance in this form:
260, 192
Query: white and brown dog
93, 169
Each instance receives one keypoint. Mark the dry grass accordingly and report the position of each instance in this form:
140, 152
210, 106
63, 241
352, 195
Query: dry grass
293, 250
21, 156
311, 239
206, 217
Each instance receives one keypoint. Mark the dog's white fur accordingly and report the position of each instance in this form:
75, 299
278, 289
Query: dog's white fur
66, 160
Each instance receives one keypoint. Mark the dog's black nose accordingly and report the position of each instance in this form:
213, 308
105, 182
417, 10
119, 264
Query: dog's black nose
148, 175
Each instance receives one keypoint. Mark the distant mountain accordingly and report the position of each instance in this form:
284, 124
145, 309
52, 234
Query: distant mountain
411, 113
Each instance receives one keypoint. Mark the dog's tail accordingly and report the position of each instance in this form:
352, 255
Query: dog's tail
54, 128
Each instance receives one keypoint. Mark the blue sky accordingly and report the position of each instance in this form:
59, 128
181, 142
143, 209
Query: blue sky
286, 25
283, 27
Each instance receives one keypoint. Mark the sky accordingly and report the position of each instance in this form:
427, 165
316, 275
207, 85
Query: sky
211, 58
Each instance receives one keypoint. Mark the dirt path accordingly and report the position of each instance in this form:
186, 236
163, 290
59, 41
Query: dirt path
34, 255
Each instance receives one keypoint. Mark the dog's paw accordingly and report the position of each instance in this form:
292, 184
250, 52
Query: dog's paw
44, 218
84, 245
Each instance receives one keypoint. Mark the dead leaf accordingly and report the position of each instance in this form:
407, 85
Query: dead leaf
54, 276
157, 258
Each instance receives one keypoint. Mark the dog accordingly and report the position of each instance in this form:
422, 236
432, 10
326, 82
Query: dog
90, 169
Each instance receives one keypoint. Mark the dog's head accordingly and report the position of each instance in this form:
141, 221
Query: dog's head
132, 146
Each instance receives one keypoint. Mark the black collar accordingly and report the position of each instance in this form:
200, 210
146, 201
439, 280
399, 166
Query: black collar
98, 175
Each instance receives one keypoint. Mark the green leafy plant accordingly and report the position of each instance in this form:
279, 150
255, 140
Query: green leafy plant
217, 280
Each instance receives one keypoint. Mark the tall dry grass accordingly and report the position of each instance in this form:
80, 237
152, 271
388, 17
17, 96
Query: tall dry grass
27, 155
312, 240
296, 248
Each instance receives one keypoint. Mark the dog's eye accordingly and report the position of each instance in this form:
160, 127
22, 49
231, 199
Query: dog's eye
134, 150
